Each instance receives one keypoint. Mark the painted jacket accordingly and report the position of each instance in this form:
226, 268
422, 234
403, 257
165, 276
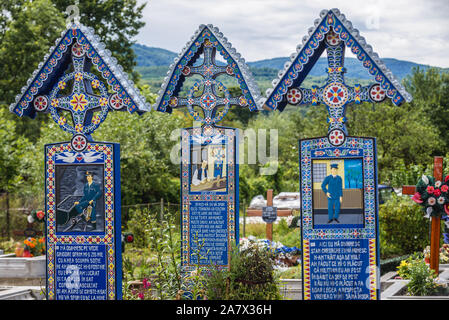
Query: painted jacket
334, 186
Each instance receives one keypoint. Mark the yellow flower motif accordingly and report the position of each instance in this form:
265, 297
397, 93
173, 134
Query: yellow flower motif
103, 101
62, 85
79, 128
78, 102
78, 76
96, 119
95, 84
62, 121
54, 102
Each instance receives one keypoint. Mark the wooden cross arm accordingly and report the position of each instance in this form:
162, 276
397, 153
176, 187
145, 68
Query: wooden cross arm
410, 190
258, 212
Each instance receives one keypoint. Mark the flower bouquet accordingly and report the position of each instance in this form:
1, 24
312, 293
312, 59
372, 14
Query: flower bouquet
433, 196
34, 247
36, 216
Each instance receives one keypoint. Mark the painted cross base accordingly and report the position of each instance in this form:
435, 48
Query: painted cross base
435, 221
209, 197
83, 227
339, 219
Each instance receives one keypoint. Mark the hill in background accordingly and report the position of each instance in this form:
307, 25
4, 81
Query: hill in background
153, 63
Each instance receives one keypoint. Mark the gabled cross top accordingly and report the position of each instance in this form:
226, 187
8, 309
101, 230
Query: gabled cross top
87, 95
335, 94
208, 93
208, 100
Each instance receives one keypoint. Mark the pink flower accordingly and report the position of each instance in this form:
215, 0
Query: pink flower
444, 188
431, 201
430, 189
141, 296
146, 283
437, 192
417, 198
446, 208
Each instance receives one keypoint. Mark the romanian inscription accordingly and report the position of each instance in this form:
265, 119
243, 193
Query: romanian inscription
208, 223
81, 272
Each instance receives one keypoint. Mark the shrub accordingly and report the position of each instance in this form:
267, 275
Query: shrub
402, 227
251, 276
422, 278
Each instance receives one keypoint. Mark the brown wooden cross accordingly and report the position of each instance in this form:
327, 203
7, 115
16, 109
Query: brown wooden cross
258, 213
436, 221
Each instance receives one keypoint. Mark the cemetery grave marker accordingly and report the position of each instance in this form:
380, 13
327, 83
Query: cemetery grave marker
209, 153
338, 172
82, 177
433, 214
269, 217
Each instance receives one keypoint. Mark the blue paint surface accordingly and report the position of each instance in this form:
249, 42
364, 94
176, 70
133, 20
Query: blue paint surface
81, 272
339, 269
208, 221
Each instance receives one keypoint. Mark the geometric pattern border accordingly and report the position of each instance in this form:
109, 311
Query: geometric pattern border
187, 196
53, 238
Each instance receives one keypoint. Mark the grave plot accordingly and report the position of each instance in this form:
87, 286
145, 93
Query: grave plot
338, 172
78, 83
209, 153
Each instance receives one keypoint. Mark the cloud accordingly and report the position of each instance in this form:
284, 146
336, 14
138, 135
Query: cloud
417, 31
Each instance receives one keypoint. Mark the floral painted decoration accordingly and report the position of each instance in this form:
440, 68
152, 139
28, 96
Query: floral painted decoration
433, 196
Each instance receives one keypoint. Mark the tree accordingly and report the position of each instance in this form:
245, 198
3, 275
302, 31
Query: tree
402, 135
26, 36
116, 22
430, 91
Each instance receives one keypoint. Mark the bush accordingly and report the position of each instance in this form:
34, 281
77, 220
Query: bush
403, 228
251, 277
422, 278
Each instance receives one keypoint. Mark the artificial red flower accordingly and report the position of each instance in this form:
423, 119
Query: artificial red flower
444, 188
40, 215
447, 178
437, 192
430, 189
417, 198
26, 254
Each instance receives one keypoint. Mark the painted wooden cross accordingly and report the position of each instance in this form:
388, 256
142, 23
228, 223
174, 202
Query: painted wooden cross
436, 221
258, 213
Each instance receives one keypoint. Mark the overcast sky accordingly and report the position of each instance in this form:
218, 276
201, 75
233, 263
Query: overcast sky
416, 30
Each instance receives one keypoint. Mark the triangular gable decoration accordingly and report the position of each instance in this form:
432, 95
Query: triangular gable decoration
206, 41
64, 81
329, 31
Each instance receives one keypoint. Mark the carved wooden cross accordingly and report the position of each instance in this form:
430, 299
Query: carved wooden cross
436, 221
258, 213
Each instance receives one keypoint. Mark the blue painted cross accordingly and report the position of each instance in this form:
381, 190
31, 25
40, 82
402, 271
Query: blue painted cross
335, 94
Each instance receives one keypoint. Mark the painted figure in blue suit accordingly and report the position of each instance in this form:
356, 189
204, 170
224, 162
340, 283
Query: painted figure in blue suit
91, 193
332, 186
218, 165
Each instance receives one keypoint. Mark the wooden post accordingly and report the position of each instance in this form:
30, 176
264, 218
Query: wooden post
244, 219
162, 209
269, 228
436, 221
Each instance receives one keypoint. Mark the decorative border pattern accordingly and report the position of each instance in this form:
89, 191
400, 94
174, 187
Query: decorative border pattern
42, 79
186, 196
53, 238
173, 81
320, 148
357, 44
